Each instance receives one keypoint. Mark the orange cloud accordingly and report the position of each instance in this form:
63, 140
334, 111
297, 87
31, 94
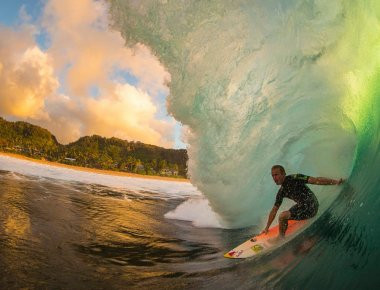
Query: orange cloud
84, 53
26, 75
129, 112
81, 38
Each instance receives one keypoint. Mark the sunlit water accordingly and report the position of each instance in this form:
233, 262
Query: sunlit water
66, 234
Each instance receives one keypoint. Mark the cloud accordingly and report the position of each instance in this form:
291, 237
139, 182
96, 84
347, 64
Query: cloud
26, 75
134, 110
53, 88
126, 113
81, 37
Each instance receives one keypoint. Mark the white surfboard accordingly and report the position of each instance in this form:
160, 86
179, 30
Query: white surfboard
262, 243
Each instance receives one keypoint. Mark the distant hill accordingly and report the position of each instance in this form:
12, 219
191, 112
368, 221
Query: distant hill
92, 151
26, 136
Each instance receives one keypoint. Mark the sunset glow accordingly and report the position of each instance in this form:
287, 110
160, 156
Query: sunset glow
66, 70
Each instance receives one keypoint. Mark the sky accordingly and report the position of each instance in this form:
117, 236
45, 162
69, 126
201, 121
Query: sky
64, 69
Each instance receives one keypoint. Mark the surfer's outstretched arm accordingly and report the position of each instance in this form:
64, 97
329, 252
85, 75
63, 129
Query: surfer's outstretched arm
271, 217
324, 181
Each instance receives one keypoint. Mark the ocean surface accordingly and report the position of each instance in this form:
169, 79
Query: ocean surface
254, 83
61, 233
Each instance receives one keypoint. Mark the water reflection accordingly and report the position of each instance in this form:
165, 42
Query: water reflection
62, 234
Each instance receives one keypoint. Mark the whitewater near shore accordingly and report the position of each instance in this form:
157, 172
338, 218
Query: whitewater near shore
92, 170
134, 182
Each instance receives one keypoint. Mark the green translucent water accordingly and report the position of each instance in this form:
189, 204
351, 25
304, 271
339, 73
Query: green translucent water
266, 82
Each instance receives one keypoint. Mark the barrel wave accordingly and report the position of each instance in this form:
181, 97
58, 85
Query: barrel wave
296, 83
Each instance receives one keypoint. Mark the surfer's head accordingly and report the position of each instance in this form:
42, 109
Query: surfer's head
278, 174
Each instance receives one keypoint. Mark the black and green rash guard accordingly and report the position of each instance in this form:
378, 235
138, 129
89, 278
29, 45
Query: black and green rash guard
294, 187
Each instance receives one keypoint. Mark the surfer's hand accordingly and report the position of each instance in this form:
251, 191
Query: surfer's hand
340, 181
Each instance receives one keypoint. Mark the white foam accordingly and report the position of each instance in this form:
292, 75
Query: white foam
173, 189
198, 211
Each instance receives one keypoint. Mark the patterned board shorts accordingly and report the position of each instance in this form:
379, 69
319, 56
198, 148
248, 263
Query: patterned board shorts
303, 211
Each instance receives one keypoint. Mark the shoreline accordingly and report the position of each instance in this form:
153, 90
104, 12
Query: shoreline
92, 170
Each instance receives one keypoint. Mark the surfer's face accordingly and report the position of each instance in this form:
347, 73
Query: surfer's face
278, 176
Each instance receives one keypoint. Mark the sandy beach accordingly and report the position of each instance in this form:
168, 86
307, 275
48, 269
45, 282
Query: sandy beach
93, 170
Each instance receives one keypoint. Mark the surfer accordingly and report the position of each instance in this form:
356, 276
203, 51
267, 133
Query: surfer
294, 187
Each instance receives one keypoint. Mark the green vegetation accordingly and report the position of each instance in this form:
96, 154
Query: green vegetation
92, 151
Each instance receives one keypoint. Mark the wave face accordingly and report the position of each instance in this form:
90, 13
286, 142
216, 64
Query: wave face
260, 83
264, 82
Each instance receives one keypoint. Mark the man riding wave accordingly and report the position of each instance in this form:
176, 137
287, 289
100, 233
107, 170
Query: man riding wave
294, 187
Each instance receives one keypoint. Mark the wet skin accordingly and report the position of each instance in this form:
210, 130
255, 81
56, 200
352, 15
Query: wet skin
278, 176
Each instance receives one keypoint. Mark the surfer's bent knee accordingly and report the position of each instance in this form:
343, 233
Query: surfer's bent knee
285, 215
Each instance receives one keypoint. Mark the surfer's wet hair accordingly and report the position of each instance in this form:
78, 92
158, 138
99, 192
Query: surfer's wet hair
282, 169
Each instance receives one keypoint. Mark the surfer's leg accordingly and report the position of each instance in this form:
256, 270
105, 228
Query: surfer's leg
283, 222
303, 211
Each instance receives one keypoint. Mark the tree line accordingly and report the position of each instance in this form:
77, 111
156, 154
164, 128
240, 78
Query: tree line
92, 151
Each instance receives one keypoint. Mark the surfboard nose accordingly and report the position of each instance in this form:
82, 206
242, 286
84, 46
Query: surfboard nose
229, 254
